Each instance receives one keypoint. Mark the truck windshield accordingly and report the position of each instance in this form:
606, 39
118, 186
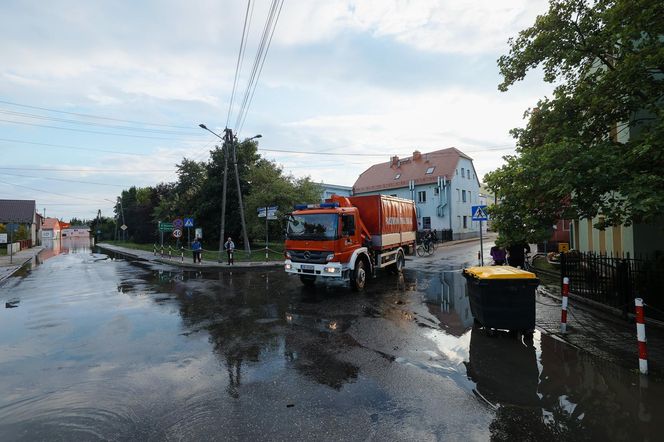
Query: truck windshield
320, 226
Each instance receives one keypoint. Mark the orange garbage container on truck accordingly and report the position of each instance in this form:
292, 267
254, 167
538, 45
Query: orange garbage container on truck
349, 238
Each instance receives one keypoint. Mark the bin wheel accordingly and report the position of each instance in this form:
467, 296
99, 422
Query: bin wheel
307, 280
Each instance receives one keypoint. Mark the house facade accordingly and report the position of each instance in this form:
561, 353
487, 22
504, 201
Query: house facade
334, 189
443, 184
18, 213
50, 228
636, 240
76, 232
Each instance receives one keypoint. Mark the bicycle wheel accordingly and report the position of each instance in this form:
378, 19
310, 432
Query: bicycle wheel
430, 249
420, 250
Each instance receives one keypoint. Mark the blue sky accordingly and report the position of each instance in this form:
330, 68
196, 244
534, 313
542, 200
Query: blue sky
373, 77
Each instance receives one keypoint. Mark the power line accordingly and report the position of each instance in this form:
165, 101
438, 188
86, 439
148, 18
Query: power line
54, 169
87, 131
93, 116
240, 56
62, 179
260, 70
261, 53
46, 191
64, 146
89, 123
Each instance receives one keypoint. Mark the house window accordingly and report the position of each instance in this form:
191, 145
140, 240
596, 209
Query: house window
426, 222
422, 196
436, 190
458, 195
394, 194
457, 171
469, 198
397, 176
463, 196
465, 222
430, 170
463, 173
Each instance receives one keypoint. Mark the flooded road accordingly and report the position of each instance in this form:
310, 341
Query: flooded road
100, 348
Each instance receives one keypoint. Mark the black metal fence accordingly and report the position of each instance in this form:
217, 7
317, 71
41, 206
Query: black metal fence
616, 280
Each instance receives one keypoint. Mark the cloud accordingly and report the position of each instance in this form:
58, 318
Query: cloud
446, 26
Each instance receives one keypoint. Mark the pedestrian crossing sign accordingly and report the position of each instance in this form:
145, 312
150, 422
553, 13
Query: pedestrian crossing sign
189, 222
479, 213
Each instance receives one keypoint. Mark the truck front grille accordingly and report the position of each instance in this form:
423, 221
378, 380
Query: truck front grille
310, 256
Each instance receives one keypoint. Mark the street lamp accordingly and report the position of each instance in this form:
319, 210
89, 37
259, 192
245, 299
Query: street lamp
229, 139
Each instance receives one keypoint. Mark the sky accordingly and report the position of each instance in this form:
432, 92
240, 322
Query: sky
96, 96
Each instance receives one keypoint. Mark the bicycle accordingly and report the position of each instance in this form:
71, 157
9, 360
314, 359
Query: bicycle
426, 247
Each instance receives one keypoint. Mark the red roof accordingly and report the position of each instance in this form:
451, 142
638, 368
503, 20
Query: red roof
398, 172
51, 223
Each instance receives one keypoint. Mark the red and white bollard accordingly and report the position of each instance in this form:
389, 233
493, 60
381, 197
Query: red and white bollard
641, 336
563, 313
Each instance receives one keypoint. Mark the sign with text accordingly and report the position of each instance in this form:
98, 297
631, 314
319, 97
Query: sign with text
271, 212
177, 233
198, 232
165, 227
3, 238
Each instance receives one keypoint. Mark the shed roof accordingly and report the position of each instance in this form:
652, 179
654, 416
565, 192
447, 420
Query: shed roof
17, 211
399, 171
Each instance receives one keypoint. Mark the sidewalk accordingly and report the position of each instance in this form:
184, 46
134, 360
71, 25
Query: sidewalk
598, 332
177, 261
8, 268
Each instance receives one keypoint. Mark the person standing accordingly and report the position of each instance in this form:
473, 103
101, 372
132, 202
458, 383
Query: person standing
230, 247
196, 249
517, 254
498, 254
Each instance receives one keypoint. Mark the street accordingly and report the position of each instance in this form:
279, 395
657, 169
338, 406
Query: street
97, 347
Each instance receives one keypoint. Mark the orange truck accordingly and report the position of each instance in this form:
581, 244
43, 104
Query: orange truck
349, 238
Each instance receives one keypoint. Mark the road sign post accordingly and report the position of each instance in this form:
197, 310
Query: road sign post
269, 213
479, 214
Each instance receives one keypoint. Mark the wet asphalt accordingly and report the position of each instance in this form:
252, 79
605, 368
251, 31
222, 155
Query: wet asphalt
98, 348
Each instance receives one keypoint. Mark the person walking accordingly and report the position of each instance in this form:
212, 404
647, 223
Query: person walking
517, 254
230, 247
196, 249
498, 254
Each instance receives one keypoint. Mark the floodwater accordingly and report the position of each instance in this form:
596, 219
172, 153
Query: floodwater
100, 348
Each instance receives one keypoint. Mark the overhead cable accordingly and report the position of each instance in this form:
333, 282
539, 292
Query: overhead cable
240, 55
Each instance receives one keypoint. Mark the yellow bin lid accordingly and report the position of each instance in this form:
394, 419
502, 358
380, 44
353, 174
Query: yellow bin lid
499, 272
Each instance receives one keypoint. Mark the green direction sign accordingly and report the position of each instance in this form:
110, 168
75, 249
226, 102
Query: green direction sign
165, 227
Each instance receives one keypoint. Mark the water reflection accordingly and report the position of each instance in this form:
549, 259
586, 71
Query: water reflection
448, 301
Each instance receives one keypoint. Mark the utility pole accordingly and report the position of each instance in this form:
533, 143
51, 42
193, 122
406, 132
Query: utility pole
222, 223
123, 219
229, 135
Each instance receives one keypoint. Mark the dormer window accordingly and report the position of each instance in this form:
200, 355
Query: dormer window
430, 170
397, 176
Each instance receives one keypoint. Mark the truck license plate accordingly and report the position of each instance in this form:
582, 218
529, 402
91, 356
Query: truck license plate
306, 267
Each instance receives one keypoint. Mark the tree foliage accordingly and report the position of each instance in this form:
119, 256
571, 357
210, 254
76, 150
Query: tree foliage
197, 193
597, 145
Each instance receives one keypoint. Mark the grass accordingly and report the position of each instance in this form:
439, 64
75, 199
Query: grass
257, 251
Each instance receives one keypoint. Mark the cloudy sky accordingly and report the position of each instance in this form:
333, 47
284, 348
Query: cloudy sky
98, 96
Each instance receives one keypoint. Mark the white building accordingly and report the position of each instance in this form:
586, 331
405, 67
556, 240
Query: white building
334, 189
443, 184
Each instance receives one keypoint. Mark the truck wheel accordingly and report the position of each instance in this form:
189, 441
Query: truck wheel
398, 266
307, 280
359, 277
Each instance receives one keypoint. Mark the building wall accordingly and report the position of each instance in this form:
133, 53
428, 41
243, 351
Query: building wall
330, 189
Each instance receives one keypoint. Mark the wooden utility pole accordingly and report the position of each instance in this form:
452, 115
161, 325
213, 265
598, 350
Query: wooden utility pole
229, 135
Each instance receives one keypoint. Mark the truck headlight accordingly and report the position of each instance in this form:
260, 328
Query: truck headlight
331, 269
288, 266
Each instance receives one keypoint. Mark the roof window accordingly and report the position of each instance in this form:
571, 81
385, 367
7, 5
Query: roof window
430, 170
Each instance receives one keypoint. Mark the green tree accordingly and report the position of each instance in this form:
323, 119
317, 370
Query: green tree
597, 145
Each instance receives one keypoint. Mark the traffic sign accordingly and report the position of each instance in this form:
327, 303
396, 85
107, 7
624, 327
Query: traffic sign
124, 227
3, 238
178, 223
189, 222
177, 233
271, 212
199, 232
165, 227
479, 213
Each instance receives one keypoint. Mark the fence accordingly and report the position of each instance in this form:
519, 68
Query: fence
616, 280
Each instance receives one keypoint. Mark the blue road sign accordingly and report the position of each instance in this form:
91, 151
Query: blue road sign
189, 222
479, 213
177, 223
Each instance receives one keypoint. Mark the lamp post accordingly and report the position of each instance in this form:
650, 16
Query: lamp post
229, 140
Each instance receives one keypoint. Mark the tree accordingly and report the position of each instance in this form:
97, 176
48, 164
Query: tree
597, 145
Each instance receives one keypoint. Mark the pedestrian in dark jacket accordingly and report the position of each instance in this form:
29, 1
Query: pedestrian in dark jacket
196, 249
498, 254
229, 246
517, 254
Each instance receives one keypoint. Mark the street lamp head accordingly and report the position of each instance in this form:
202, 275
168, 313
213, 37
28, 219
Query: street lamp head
259, 136
202, 126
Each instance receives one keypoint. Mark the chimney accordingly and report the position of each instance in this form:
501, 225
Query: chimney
394, 161
417, 155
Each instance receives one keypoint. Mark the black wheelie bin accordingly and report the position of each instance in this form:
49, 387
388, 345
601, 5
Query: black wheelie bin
502, 297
